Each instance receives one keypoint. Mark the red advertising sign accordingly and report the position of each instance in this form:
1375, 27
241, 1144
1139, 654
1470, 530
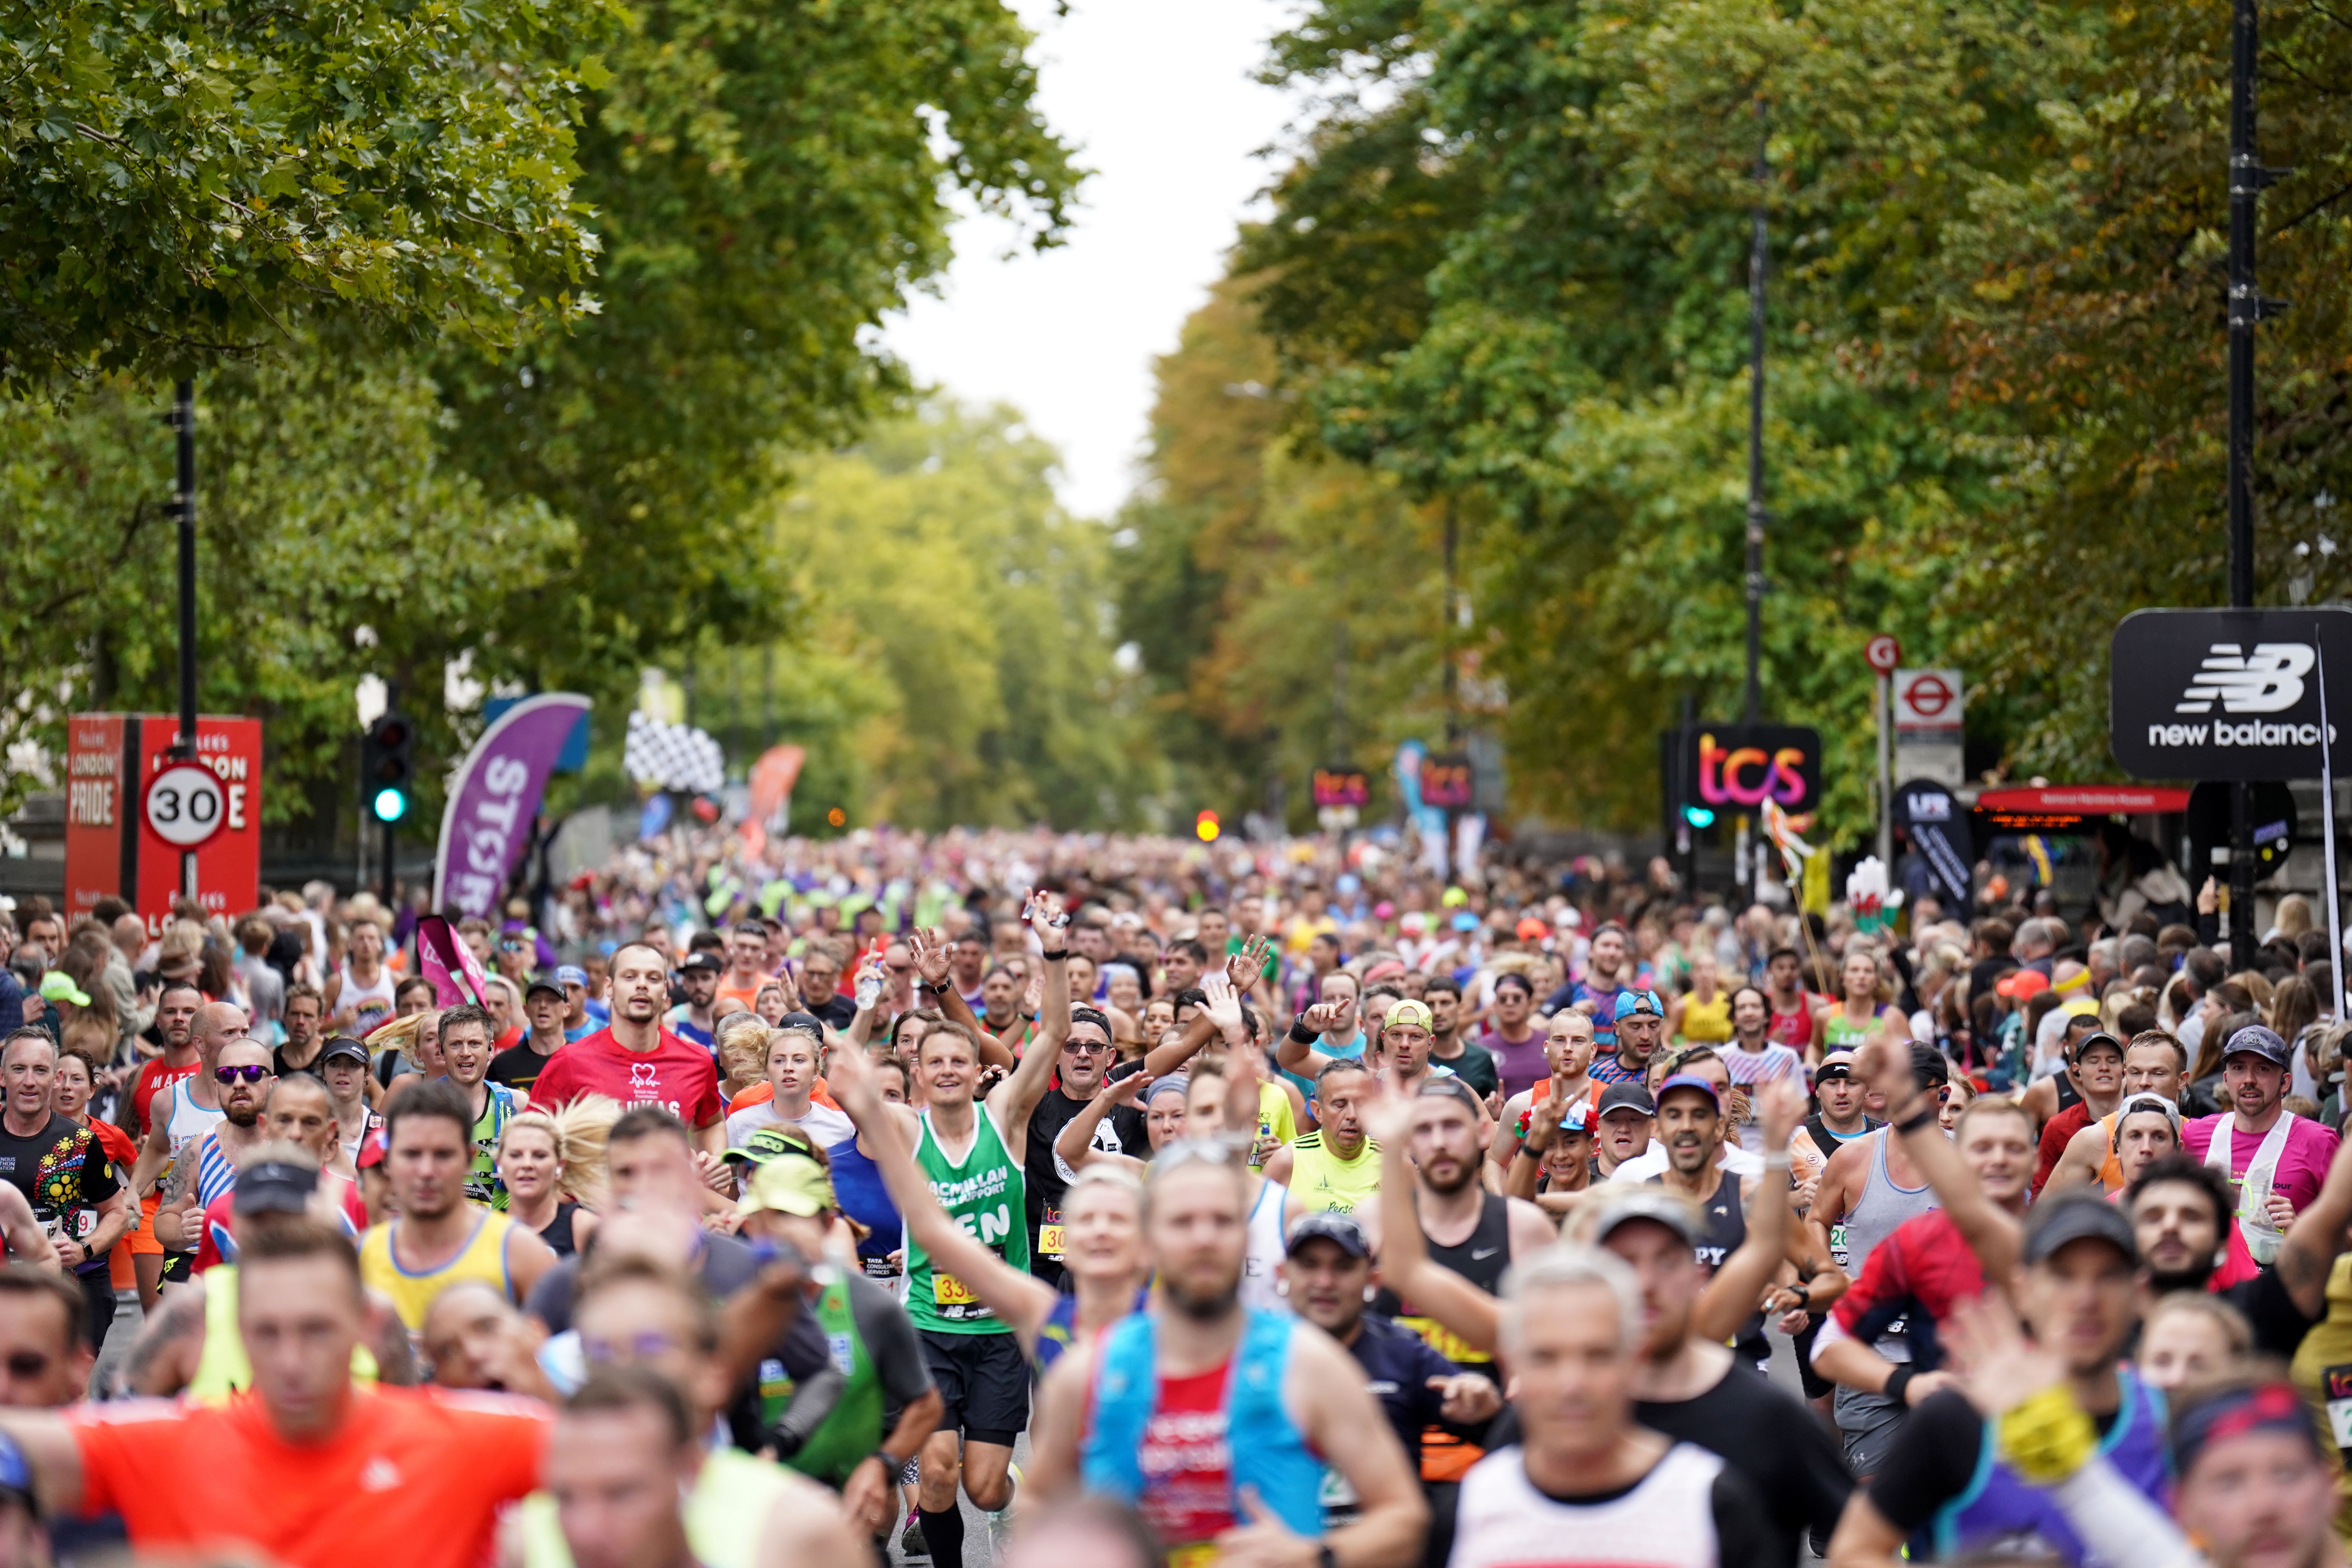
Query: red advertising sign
132, 810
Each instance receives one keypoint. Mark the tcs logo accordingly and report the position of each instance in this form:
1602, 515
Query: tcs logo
1749, 775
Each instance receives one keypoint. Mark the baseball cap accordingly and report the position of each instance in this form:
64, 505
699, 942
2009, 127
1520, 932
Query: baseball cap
1466, 921
768, 1144
274, 1186
703, 963
2095, 1037
1408, 1011
2057, 1222
2254, 1039
1530, 929
789, 1186
1451, 1088
1651, 1204
2135, 1103
1627, 1096
1631, 1003
544, 983
2021, 985
1928, 1065
56, 985
1690, 1080
571, 974
1578, 1117
345, 1045
1334, 1227
1837, 1064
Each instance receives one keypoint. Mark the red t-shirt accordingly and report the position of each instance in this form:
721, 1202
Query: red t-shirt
152, 1076
2055, 1136
1187, 1460
413, 1477
218, 1244
674, 1075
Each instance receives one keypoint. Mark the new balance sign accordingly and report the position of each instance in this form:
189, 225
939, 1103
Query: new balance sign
2229, 694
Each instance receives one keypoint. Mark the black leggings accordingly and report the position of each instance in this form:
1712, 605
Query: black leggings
98, 1306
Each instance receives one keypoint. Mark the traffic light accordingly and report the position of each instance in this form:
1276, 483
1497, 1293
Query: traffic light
1700, 816
388, 767
1205, 827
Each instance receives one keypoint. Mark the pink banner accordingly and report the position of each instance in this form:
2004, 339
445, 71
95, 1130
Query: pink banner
444, 958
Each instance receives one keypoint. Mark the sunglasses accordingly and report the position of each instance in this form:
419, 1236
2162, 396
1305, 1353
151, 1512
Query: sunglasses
1086, 1046
635, 1347
249, 1074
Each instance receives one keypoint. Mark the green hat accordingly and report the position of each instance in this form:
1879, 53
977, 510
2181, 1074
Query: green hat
56, 985
789, 1186
768, 1144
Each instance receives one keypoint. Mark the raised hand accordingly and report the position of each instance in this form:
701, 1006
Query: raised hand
1046, 919
1321, 1016
1224, 1006
1244, 968
1388, 1116
1543, 1121
929, 950
1116, 1091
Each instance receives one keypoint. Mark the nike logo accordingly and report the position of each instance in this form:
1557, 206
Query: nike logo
1478, 1256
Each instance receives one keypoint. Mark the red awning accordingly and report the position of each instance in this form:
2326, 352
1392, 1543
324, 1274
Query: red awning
2086, 800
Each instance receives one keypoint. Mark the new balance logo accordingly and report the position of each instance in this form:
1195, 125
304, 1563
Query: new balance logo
2267, 680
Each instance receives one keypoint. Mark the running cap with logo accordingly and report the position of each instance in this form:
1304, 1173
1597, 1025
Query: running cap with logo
1928, 1064
2096, 1037
703, 963
1408, 1013
1837, 1064
56, 985
1642, 1003
543, 982
571, 974
1327, 1224
769, 1143
2059, 1222
1653, 1203
2254, 1039
343, 1046
1627, 1096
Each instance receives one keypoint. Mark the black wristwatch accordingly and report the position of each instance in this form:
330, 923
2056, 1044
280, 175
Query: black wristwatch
1056, 956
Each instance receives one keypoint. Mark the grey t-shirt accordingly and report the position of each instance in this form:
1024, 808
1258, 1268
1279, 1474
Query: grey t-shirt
726, 1267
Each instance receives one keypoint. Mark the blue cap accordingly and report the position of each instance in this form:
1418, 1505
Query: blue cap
1466, 921
1629, 1002
1690, 1080
571, 974
1577, 1117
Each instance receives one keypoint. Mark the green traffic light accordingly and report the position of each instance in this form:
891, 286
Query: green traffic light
391, 804
1698, 815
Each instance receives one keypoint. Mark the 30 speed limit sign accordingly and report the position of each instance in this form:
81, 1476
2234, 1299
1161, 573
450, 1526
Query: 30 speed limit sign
186, 804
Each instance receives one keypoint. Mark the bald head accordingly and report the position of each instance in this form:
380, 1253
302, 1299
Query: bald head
473, 1334
217, 1023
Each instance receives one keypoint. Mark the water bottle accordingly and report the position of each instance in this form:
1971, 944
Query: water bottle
869, 991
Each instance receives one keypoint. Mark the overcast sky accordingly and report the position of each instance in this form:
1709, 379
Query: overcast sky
1157, 96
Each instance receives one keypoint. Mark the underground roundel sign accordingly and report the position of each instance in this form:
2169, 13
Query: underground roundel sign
2229, 694
186, 804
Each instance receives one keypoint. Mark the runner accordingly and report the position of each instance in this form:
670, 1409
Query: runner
1510, 1038
181, 1108
437, 1237
2098, 1060
695, 1019
1470, 1062
343, 1064
1569, 1045
2178, 1208
1336, 1166
1840, 1118
541, 1181
323, 1472
793, 1050
518, 1065
1865, 1009
465, 1053
1752, 1055
2080, 1295
1792, 1007
1154, 1411
2155, 1063
747, 968
304, 1016
1623, 1051
1702, 1014
1586, 1483
1604, 979
635, 1061
2275, 1160
630, 1484
78, 1076
359, 994
63, 1173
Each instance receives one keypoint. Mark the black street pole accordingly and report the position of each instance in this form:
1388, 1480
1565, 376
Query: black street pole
2247, 178
1756, 264
184, 506
1445, 641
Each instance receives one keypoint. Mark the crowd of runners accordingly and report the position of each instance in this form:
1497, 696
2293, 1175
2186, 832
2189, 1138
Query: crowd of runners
1118, 1203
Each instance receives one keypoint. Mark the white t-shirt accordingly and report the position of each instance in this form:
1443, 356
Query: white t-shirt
1653, 1161
824, 1125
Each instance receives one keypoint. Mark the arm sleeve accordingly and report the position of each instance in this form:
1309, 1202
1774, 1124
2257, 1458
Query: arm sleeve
890, 1336
2119, 1523
1741, 1540
811, 1402
1932, 1459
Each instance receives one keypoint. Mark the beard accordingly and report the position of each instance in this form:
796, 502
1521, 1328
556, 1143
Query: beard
2192, 1278
1464, 1174
241, 1115
1203, 1306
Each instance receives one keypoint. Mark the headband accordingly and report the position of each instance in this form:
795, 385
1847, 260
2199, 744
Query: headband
2236, 1412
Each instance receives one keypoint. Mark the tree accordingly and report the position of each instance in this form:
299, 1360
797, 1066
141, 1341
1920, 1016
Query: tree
186, 181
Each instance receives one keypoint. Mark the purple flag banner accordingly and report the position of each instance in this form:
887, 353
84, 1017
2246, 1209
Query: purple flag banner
494, 798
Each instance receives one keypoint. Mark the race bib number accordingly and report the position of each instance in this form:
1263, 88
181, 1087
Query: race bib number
1050, 1236
1838, 1254
946, 1290
2335, 1387
1200, 1554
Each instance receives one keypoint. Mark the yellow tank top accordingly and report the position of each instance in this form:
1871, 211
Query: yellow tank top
1707, 1023
2323, 1375
1321, 1180
484, 1257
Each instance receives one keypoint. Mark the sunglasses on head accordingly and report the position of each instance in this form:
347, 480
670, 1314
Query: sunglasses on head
251, 1073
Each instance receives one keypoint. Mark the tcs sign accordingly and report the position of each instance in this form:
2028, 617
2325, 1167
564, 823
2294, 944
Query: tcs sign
1738, 767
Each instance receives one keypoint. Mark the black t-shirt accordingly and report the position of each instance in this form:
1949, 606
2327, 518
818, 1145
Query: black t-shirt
840, 1011
1398, 1365
316, 1068
2278, 1324
1123, 1131
1474, 1066
1933, 1459
518, 1065
63, 1173
1769, 1436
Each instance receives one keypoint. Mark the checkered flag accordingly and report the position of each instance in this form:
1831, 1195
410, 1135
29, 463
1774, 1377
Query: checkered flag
673, 756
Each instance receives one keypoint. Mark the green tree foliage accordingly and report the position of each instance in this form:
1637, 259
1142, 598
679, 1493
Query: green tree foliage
957, 627
336, 540
1995, 341
767, 182
184, 180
